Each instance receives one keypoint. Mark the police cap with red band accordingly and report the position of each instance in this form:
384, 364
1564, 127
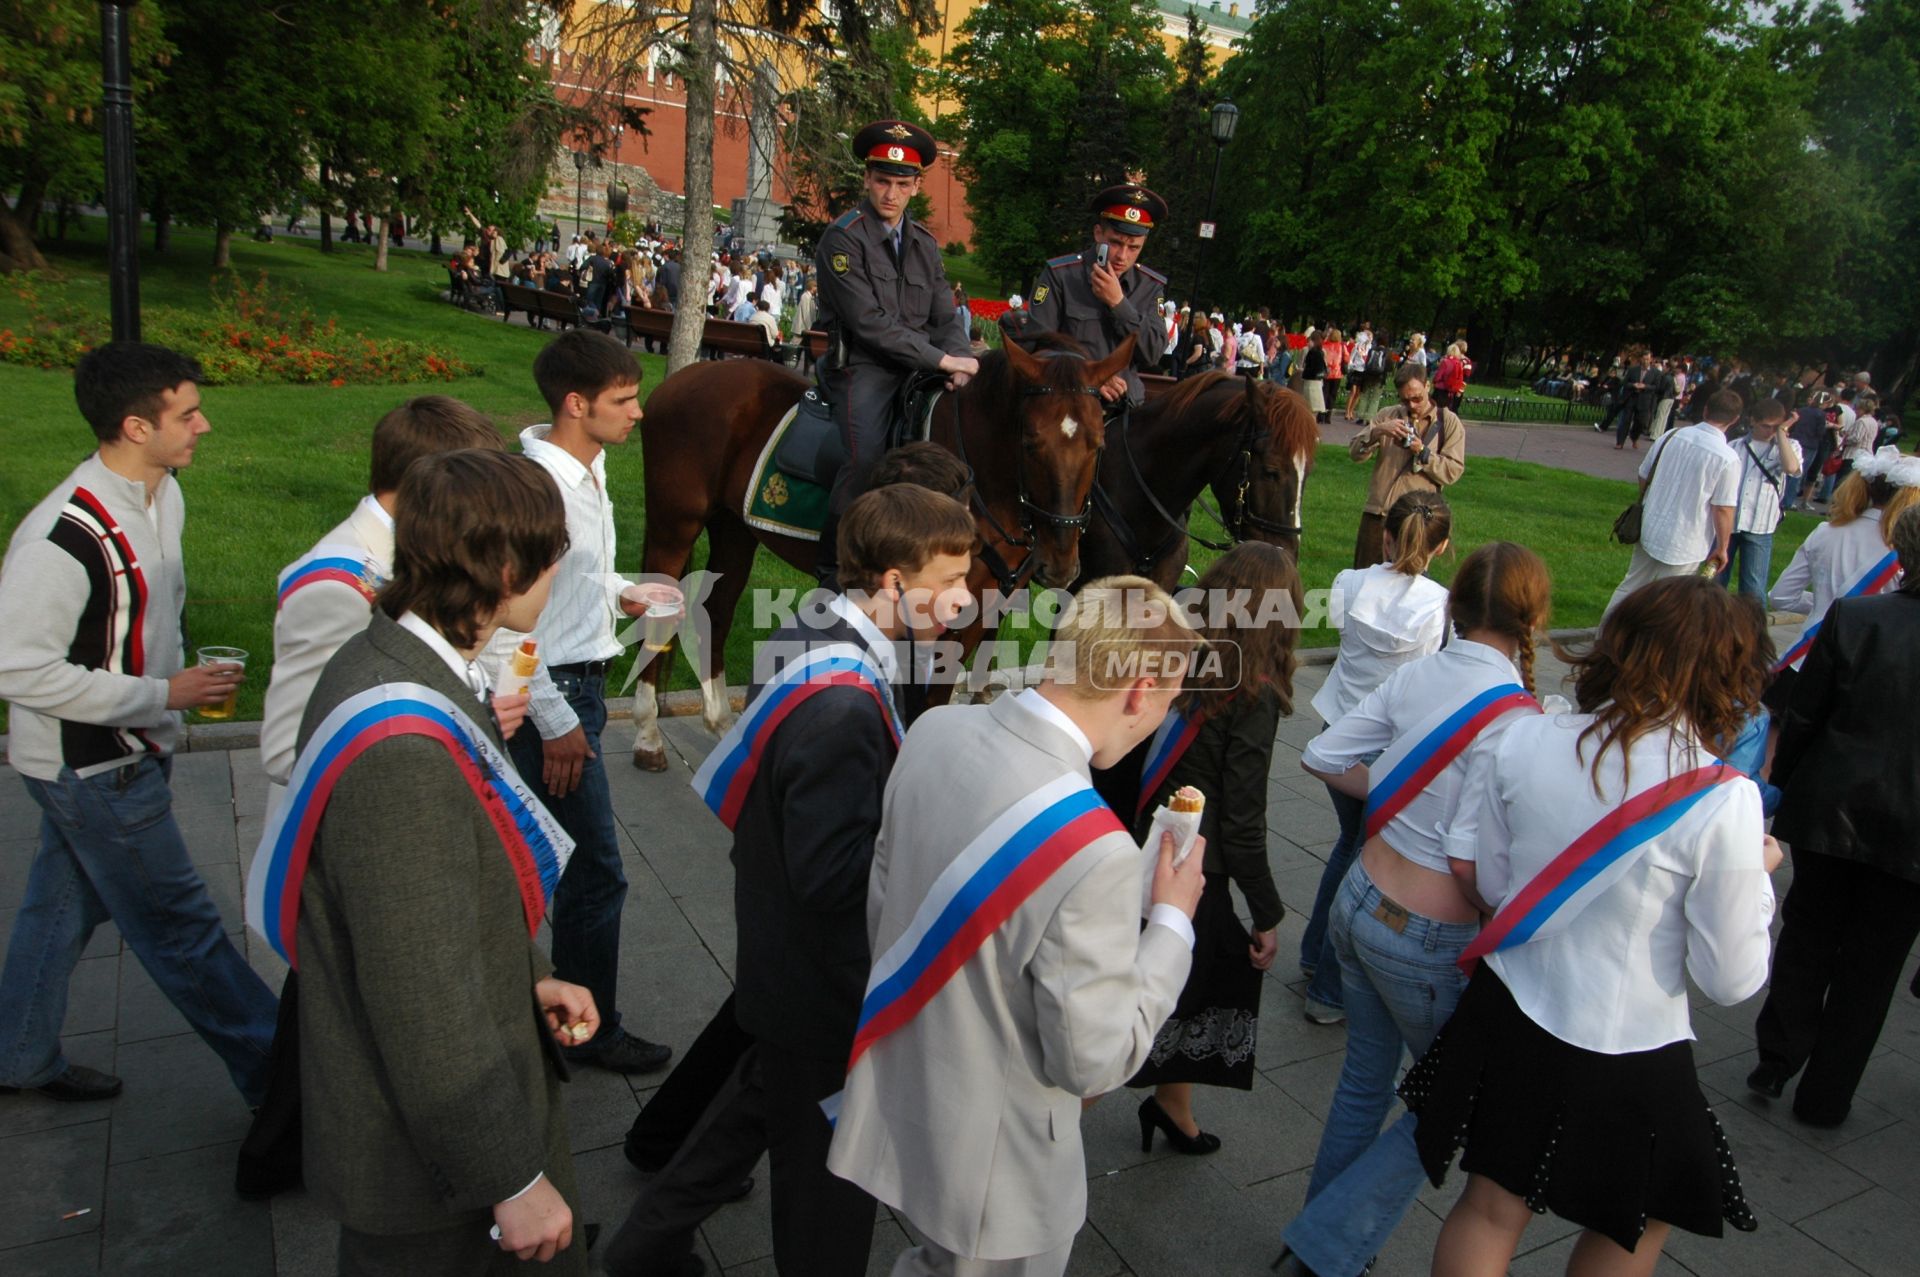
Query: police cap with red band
895, 147
1130, 209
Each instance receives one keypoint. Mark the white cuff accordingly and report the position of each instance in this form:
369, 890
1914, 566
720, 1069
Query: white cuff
1170, 917
529, 1188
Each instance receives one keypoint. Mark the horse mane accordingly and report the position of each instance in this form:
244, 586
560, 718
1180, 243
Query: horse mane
997, 379
1280, 414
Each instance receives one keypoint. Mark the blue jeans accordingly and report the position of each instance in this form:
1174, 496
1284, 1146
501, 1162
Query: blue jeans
585, 915
1401, 987
110, 850
1753, 552
1789, 490
1316, 945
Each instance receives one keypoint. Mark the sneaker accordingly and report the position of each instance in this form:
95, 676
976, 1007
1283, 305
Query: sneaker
623, 1052
75, 1084
1322, 1013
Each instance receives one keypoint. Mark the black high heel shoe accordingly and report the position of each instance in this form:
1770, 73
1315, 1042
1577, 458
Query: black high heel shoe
1152, 1115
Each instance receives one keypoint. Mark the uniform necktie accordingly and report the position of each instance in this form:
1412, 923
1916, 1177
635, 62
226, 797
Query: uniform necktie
893, 243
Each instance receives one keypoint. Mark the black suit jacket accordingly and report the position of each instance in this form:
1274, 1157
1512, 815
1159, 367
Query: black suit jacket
1849, 757
801, 852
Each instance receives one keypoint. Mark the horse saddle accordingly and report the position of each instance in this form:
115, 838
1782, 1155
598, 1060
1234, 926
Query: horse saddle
810, 446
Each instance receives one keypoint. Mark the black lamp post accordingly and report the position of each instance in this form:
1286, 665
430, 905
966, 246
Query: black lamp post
1223, 121
579, 187
123, 213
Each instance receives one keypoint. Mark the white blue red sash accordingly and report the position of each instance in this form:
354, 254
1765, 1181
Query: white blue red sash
1878, 578
1593, 862
533, 840
1408, 766
1000, 870
727, 774
1170, 743
342, 564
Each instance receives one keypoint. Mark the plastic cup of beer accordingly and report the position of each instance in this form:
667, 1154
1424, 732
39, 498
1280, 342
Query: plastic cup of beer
660, 608
221, 656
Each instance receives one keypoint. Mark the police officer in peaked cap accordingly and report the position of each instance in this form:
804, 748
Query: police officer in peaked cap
1100, 295
886, 308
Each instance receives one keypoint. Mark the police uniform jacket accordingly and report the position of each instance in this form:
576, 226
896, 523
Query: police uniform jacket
897, 316
1064, 302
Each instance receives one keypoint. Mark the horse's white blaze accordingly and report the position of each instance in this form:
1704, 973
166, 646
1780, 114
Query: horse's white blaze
1069, 427
1299, 486
714, 708
646, 720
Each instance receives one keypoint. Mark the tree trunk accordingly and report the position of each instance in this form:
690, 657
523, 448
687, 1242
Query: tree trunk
17, 251
326, 216
433, 246
696, 237
222, 246
380, 242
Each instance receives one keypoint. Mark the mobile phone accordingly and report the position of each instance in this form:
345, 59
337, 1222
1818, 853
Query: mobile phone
1100, 254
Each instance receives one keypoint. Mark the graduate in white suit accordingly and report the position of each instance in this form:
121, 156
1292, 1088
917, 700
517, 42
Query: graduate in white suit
1012, 976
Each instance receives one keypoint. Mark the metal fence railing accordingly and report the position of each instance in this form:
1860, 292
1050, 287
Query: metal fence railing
1513, 408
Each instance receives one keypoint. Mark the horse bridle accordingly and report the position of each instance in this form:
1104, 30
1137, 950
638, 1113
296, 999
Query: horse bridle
1010, 579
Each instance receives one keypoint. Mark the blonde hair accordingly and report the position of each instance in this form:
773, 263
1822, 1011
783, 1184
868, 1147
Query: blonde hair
1117, 629
1857, 494
1457, 349
1417, 342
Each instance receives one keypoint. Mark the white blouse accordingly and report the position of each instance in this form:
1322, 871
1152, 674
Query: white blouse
1385, 618
1828, 564
1411, 695
1697, 901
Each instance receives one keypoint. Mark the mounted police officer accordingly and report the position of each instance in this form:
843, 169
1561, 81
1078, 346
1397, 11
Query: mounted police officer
1099, 296
886, 308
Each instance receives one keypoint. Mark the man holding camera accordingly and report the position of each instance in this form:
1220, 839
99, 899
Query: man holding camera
1420, 446
1101, 296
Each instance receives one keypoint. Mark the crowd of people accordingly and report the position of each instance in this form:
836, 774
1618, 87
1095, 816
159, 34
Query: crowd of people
956, 927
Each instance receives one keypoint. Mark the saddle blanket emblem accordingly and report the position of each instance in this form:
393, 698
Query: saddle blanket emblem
774, 491
784, 504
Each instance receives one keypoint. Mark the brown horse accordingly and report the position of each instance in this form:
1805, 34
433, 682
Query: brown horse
1251, 443
1029, 427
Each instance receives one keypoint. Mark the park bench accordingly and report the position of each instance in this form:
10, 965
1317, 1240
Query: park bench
460, 294
718, 337
538, 305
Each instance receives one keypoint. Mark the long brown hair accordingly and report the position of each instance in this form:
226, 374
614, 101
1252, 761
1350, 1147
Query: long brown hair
1253, 656
1682, 654
1505, 588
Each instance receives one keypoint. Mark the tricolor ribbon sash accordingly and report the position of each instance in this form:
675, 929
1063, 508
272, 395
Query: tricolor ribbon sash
1593, 862
725, 777
533, 840
342, 564
1879, 578
1170, 742
1409, 765
1000, 870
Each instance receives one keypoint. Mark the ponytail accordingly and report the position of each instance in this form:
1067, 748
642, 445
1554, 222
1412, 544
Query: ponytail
1419, 523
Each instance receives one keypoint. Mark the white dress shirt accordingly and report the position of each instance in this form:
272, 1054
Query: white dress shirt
877, 643
1412, 694
1039, 706
1759, 500
578, 623
1828, 563
466, 671
1692, 468
1696, 902
1386, 618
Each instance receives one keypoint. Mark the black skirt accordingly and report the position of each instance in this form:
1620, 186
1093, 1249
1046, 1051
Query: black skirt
1605, 1141
1210, 1036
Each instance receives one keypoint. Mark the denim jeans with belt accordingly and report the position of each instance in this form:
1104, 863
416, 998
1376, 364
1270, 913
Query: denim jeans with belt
111, 850
1401, 980
1752, 552
585, 914
1316, 947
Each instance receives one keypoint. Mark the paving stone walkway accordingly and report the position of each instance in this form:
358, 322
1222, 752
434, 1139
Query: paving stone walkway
153, 1169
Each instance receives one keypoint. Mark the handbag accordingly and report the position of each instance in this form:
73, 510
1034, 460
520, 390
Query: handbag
1626, 525
1832, 464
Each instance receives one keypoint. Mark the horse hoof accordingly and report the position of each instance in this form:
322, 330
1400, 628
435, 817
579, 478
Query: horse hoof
650, 760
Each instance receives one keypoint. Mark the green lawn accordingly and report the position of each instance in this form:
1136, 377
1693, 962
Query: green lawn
286, 462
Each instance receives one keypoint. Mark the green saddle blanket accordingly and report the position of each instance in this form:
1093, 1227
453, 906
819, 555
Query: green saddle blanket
780, 502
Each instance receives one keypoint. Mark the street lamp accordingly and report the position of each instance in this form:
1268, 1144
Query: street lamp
123, 213
1221, 124
579, 186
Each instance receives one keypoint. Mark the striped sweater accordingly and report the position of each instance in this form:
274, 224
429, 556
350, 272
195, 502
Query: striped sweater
91, 593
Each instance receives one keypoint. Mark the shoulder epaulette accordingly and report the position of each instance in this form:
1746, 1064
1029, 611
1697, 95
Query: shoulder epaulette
848, 218
923, 230
1151, 273
1065, 259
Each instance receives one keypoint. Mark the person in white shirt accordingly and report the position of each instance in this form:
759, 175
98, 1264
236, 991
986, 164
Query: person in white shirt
1402, 921
1251, 357
762, 317
592, 384
1848, 554
1768, 457
1690, 483
1619, 858
1390, 614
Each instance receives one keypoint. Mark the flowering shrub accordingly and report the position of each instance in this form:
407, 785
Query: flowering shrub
251, 333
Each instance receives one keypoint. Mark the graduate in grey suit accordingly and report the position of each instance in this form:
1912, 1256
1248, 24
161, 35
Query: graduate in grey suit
977, 1043
428, 1016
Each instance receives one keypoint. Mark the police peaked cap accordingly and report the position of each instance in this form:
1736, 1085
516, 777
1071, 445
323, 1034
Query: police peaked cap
895, 148
1130, 209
